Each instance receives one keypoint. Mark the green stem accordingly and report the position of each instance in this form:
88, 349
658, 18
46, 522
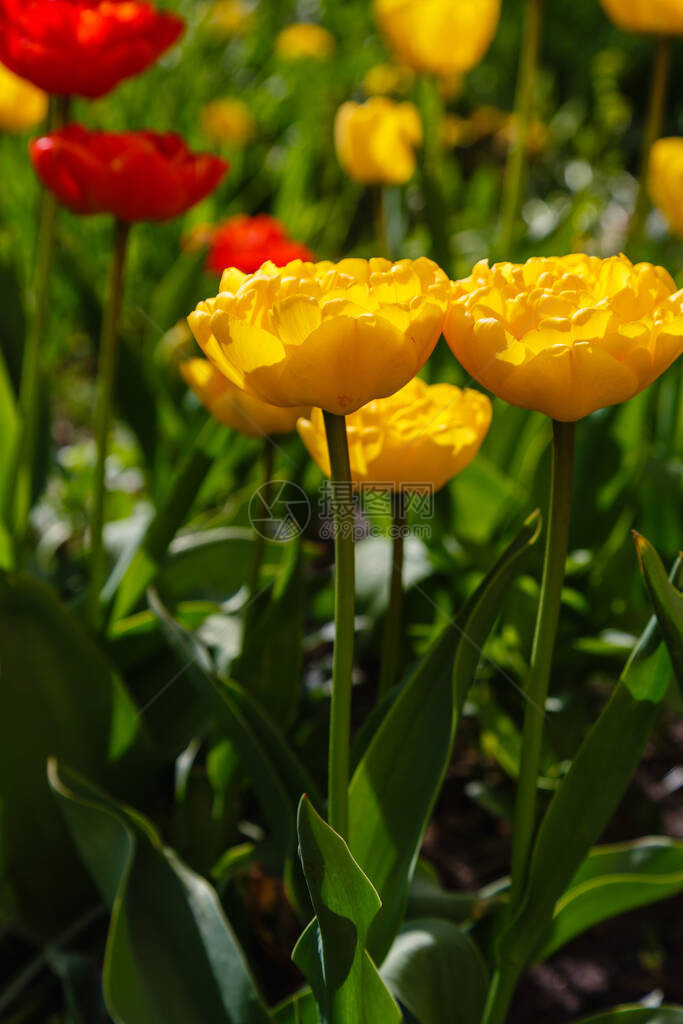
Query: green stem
344, 586
260, 540
653, 129
557, 538
390, 221
392, 621
515, 170
536, 691
38, 311
106, 376
431, 110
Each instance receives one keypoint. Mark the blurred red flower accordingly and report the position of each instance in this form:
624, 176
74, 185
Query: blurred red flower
135, 176
83, 47
247, 242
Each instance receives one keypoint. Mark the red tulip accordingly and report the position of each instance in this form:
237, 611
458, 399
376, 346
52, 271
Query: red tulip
247, 242
83, 47
135, 176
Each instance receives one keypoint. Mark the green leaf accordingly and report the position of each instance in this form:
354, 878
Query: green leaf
171, 955
436, 971
667, 601
139, 568
9, 432
58, 696
301, 1008
580, 809
332, 950
271, 661
426, 898
212, 564
614, 879
637, 1015
177, 292
396, 783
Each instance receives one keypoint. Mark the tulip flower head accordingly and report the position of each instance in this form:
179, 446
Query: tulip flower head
658, 17
83, 47
422, 434
438, 36
22, 105
134, 176
665, 180
227, 120
230, 18
324, 334
236, 408
247, 242
304, 39
566, 335
376, 140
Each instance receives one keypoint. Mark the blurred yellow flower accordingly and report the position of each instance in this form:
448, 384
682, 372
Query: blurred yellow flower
440, 36
334, 335
566, 335
665, 180
376, 140
236, 408
304, 39
22, 105
385, 79
661, 17
230, 17
420, 435
537, 134
227, 120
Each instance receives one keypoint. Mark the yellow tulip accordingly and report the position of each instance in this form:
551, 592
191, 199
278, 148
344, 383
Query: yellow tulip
665, 180
227, 120
304, 39
22, 105
230, 17
236, 408
384, 79
376, 140
440, 36
334, 335
566, 335
660, 17
421, 435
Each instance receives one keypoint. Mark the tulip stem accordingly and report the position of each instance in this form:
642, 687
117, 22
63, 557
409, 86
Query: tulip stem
557, 539
38, 311
653, 129
515, 169
106, 376
431, 111
344, 587
392, 621
390, 221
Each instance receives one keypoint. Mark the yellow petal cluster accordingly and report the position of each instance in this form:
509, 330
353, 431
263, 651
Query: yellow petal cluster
235, 408
661, 17
227, 120
22, 105
421, 435
376, 140
439, 36
334, 335
304, 39
385, 79
665, 180
566, 335
230, 17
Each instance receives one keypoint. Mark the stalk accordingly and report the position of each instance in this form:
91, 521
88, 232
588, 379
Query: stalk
392, 622
106, 376
515, 170
505, 979
431, 111
653, 129
38, 311
344, 585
